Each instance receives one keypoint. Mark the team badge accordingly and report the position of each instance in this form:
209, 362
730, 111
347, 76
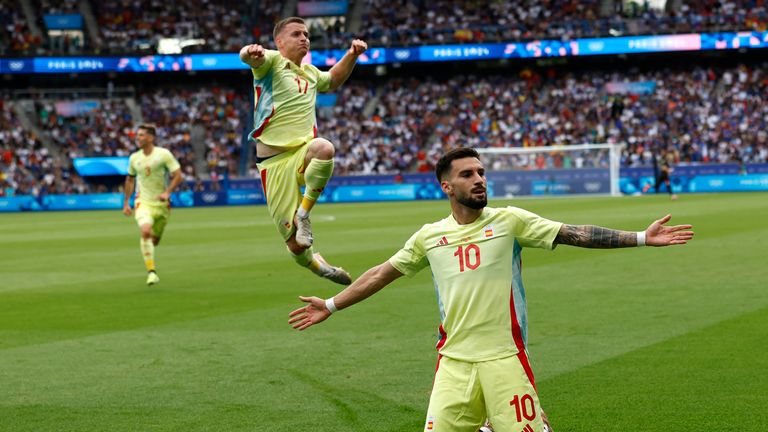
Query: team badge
488, 231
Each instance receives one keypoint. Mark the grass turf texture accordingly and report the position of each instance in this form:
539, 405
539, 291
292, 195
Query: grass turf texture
624, 340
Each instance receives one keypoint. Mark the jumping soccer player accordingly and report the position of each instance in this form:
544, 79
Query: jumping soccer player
288, 151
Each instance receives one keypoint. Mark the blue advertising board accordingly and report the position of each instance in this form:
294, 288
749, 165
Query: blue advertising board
63, 21
101, 166
549, 182
326, 99
397, 192
426, 53
245, 196
748, 182
16, 204
639, 44
83, 202
720, 178
204, 199
322, 8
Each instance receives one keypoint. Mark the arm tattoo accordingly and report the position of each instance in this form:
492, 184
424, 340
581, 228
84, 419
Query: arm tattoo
590, 236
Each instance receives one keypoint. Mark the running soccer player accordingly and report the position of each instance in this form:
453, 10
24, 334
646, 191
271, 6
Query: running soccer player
475, 258
152, 165
288, 151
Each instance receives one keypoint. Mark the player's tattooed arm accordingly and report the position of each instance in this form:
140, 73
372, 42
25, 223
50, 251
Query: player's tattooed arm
591, 236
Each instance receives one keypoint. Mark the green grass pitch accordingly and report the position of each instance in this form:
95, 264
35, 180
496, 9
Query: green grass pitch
641, 339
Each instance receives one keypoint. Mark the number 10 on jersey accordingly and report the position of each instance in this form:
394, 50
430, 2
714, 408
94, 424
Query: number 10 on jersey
469, 257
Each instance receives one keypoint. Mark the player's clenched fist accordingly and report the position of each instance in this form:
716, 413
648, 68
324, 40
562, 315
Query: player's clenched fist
358, 47
252, 55
254, 51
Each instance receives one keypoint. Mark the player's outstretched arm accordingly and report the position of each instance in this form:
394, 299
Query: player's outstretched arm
252, 55
365, 286
657, 234
341, 71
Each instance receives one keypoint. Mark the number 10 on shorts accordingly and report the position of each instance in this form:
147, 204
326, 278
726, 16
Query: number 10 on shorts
524, 406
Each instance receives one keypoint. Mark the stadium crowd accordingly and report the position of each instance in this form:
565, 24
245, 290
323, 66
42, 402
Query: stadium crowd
27, 166
214, 115
701, 115
16, 38
136, 26
403, 23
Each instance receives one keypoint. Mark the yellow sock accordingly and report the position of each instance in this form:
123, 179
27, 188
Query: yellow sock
307, 259
315, 267
148, 252
316, 176
306, 206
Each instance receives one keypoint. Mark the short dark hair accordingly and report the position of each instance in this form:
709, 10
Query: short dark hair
444, 164
284, 22
149, 128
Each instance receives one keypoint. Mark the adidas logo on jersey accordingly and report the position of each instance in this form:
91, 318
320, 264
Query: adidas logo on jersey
443, 241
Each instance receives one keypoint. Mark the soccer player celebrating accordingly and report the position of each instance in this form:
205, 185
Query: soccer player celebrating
475, 258
153, 203
288, 152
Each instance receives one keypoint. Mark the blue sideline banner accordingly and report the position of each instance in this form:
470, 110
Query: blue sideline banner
412, 187
550, 182
749, 182
696, 183
382, 192
16, 204
203, 199
245, 196
105, 201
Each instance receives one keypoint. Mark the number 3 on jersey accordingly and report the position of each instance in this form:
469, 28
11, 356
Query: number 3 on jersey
469, 257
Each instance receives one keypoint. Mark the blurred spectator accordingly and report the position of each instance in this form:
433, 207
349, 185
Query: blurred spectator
26, 166
138, 25
15, 36
216, 112
104, 131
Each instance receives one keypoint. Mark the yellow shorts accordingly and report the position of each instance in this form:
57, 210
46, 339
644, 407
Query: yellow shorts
155, 215
465, 394
281, 178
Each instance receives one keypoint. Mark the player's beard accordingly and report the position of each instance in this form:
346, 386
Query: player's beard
475, 204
